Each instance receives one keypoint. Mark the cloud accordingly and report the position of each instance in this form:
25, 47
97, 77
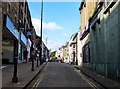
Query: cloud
52, 26
36, 24
64, 34
46, 26
53, 45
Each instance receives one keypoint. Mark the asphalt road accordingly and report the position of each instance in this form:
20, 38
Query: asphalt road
60, 75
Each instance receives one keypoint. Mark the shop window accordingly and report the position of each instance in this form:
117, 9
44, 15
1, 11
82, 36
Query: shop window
15, 18
86, 53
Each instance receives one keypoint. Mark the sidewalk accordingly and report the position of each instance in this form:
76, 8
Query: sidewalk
105, 82
25, 75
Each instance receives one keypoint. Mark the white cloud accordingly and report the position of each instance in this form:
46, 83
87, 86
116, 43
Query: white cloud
53, 44
36, 24
52, 26
64, 34
46, 26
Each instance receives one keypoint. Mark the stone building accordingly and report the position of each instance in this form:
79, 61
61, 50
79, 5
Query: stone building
10, 34
65, 53
86, 11
105, 39
16, 20
73, 45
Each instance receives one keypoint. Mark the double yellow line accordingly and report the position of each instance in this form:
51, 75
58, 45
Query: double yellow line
39, 79
87, 80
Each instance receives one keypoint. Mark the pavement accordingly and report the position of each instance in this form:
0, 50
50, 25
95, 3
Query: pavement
24, 73
102, 80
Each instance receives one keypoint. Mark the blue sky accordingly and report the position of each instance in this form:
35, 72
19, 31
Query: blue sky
60, 21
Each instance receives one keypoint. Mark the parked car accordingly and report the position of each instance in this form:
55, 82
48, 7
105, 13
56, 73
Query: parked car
58, 60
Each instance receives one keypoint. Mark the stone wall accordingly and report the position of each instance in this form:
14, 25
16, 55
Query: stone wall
105, 43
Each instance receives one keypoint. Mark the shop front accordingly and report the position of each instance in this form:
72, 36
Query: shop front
9, 41
85, 45
23, 47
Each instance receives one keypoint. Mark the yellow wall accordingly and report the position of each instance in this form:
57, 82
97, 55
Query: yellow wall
86, 12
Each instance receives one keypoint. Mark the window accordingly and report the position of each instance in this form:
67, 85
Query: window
86, 53
8, 9
108, 5
15, 19
74, 46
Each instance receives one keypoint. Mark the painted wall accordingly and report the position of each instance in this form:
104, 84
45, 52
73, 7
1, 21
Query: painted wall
79, 50
104, 38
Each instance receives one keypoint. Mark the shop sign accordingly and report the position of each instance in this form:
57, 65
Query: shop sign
85, 29
11, 27
7, 42
23, 38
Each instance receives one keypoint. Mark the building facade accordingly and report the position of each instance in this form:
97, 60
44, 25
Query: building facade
65, 53
73, 49
10, 34
105, 39
86, 11
16, 23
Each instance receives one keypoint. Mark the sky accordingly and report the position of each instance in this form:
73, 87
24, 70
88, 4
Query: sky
60, 21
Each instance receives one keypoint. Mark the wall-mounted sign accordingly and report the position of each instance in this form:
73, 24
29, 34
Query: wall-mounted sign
85, 29
7, 42
11, 27
23, 38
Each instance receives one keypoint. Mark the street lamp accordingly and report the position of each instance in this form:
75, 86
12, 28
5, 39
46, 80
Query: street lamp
41, 33
15, 78
31, 54
29, 34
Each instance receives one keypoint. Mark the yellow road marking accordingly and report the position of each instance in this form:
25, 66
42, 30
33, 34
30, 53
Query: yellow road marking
39, 79
87, 80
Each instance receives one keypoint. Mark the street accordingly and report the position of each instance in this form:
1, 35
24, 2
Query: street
61, 75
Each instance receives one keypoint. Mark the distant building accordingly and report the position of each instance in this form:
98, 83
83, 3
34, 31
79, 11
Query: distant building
65, 53
59, 53
73, 49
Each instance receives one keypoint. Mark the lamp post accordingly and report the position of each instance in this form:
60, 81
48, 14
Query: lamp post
29, 34
41, 33
32, 58
15, 78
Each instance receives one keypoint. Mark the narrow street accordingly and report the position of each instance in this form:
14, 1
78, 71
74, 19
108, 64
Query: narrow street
61, 75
